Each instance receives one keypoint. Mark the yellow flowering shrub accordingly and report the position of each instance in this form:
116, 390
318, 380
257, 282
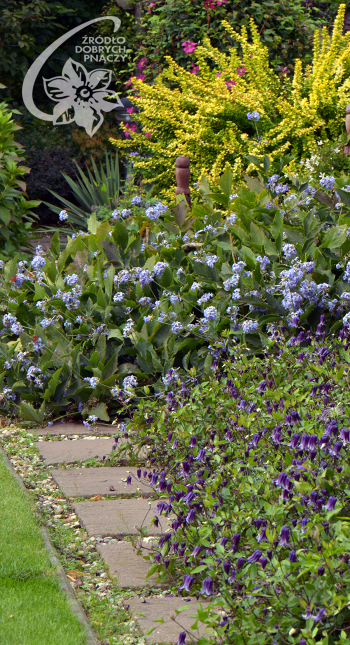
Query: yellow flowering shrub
204, 114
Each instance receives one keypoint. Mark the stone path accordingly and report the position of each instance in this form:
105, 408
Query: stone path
88, 482
125, 565
120, 517
69, 452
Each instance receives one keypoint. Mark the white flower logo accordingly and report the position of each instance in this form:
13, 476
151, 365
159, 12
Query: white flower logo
80, 96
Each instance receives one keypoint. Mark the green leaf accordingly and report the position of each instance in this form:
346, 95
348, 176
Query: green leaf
333, 238
100, 412
55, 244
92, 223
120, 234
344, 354
248, 257
29, 413
112, 252
208, 363
115, 333
109, 281
53, 382
267, 163
153, 568
166, 278
257, 235
254, 184
225, 181
5, 215
276, 227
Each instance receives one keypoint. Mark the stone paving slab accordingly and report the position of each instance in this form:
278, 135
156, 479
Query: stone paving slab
75, 428
156, 608
56, 452
87, 482
124, 564
119, 517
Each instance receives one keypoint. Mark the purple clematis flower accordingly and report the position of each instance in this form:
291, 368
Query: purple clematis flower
185, 468
191, 516
292, 556
304, 442
294, 440
255, 556
182, 639
188, 579
330, 506
236, 538
344, 435
240, 563
319, 617
312, 442
262, 537
189, 497
201, 455
154, 479
196, 551
263, 562
284, 536
207, 588
335, 449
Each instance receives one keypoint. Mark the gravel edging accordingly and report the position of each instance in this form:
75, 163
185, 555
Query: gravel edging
61, 576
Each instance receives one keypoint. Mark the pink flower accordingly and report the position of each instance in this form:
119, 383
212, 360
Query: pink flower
241, 70
219, 2
219, 74
147, 134
195, 69
284, 70
141, 77
209, 4
129, 128
149, 8
130, 110
129, 81
142, 63
230, 84
189, 47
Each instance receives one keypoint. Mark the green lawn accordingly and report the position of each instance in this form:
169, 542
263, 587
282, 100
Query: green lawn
33, 609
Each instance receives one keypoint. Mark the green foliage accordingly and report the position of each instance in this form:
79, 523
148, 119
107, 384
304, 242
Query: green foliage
16, 216
97, 188
256, 461
130, 302
286, 28
233, 105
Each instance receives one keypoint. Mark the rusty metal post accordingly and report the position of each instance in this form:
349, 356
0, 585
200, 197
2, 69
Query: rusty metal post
182, 175
346, 148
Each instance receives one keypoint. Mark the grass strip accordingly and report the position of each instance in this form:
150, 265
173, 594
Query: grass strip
33, 609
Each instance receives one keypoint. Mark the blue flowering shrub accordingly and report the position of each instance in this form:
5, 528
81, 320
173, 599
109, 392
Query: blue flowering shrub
148, 291
253, 466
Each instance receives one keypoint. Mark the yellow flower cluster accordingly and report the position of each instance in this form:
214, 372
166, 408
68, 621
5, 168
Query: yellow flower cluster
204, 114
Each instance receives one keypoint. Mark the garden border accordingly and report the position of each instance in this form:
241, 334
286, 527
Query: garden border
61, 576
